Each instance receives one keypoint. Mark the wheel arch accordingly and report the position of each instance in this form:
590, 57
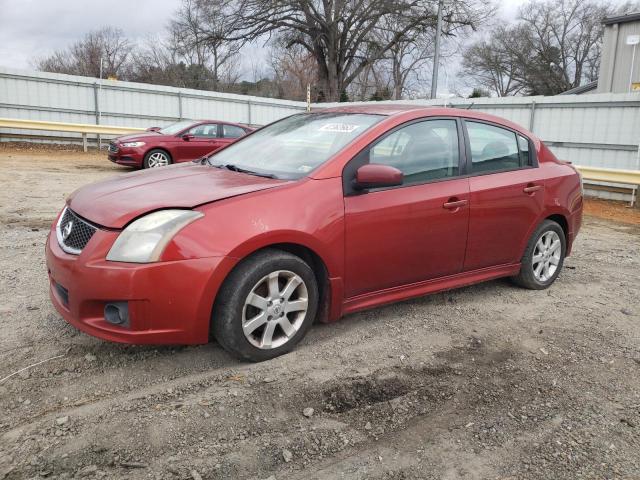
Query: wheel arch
562, 221
556, 215
308, 255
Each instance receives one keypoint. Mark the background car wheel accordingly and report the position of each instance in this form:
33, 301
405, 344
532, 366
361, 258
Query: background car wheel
157, 158
543, 258
265, 306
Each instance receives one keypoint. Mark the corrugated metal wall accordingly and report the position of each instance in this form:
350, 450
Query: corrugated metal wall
67, 98
601, 130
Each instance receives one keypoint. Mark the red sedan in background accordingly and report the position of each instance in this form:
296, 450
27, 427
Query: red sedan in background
180, 142
312, 217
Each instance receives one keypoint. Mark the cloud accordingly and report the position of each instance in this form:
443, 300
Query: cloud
31, 29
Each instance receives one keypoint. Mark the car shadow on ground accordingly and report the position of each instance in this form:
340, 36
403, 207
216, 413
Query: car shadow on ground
211, 355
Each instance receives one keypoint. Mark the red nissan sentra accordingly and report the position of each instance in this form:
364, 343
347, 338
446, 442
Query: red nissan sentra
179, 142
310, 218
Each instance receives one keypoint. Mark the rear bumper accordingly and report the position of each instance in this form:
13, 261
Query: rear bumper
169, 302
575, 223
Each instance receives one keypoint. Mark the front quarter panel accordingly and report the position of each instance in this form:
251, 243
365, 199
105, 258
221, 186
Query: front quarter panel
307, 212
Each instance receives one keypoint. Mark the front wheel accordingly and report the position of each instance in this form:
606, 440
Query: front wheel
156, 158
265, 306
543, 258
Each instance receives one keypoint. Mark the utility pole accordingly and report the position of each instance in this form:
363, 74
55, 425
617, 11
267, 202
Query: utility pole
436, 56
98, 103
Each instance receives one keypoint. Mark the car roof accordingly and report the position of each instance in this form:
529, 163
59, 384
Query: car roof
416, 111
375, 108
223, 122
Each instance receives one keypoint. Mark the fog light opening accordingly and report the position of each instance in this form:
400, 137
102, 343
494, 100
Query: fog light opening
117, 313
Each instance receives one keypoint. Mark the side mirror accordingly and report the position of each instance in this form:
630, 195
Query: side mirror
153, 129
187, 136
374, 175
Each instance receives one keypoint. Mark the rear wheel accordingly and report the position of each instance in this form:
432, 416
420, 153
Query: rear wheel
543, 258
265, 306
157, 158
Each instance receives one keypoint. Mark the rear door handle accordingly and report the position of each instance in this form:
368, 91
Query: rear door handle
454, 204
531, 188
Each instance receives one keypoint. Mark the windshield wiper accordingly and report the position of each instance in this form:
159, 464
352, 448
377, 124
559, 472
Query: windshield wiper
202, 160
235, 168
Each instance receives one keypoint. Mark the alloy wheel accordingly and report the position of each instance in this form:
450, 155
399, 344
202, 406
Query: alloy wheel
158, 159
275, 309
546, 256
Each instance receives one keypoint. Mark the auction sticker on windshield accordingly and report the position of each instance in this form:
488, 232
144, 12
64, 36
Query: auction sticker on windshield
339, 127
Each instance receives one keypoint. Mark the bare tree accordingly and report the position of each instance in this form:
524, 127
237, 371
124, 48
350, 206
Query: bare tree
200, 34
167, 62
83, 57
193, 54
554, 46
159, 63
293, 69
564, 35
406, 56
373, 83
493, 63
338, 32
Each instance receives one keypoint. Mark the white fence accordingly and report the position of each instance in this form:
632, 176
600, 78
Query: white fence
599, 130
68, 98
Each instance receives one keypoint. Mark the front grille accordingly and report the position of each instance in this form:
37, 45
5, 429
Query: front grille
113, 148
73, 232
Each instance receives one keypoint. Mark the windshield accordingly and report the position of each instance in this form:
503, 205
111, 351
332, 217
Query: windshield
176, 127
293, 147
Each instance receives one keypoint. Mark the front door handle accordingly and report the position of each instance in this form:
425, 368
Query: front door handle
453, 204
531, 188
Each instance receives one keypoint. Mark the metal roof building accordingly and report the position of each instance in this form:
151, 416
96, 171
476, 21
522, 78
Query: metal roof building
620, 63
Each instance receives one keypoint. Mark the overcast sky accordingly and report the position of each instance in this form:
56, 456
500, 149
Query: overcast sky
31, 29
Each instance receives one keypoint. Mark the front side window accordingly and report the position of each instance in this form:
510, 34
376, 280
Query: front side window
293, 147
422, 151
492, 148
207, 130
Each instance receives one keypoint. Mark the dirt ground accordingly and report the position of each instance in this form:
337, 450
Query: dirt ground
485, 382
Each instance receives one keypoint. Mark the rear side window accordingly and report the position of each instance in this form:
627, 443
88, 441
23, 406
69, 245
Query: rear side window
423, 151
492, 148
232, 131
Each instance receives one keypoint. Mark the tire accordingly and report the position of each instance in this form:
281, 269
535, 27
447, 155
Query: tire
247, 298
541, 255
157, 158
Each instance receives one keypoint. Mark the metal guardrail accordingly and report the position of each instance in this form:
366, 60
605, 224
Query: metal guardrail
82, 128
612, 175
630, 177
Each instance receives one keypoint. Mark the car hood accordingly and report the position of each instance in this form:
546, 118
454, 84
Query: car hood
114, 203
134, 137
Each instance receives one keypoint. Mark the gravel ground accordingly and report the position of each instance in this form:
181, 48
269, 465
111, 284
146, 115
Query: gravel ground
488, 381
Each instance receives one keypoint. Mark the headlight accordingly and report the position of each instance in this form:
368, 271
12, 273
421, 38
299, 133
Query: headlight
144, 240
133, 144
